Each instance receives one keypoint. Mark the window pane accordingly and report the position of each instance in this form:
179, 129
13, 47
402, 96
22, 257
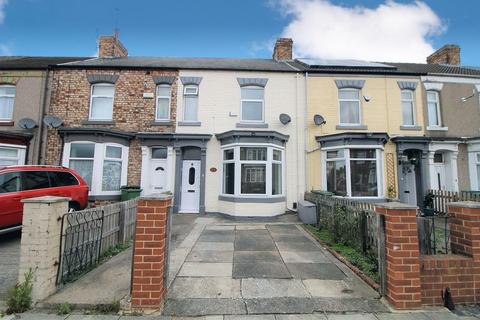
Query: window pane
113, 152
112, 172
253, 93
478, 176
349, 94
191, 90
191, 105
364, 178
336, 181
10, 182
103, 91
431, 96
432, 114
335, 154
277, 155
35, 180
159, 153
191, 176
163, 91
253, 154
407, 113
276, 178
82, 150
350, 112
229, 178
228, 154
61, 179
102, 108
8, 152
6, 107
407, 95
252, 111
7, 90
163, 108
438, 158
253, 179
84, 169
8, 162
363, 153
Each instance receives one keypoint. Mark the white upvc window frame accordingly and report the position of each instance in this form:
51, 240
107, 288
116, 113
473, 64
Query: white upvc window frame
359, 100
438, 109
159, 97
413, 104
252, 100
474, 164
9, 96
21, 152
92, 96
379, 158
238, 170
99, 157
189, 94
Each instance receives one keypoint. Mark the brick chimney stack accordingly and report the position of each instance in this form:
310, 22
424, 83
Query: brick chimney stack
283, 49
111, 47
448, 54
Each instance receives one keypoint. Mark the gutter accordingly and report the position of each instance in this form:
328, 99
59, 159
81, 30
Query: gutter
41, 126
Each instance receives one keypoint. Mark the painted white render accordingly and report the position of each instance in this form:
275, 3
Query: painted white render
219, 96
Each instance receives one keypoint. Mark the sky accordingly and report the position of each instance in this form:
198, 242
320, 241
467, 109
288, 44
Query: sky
375, 30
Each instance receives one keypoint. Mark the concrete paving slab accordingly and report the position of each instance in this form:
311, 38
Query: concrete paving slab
9, 260
402, 316
444, 315
255, 256
324, 271
258, 233
220, 227
279, 305
301, 317
254, 244
348, 305
205, 269
201, 307
213, 246
260, 270
212, 237
250, 227
251, 317
39, 316
288, 229
279, 237
216, 288
272, 288
192, 237
93, 317
210, 256
298, 246
304, 257
352, 316
328, 288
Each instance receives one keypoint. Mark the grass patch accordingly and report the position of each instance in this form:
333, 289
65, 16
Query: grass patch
367, 264
64, 309
19, 297
113, 307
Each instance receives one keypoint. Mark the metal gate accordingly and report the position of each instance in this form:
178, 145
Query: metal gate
80, 243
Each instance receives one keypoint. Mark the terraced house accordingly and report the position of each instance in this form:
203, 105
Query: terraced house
221, 134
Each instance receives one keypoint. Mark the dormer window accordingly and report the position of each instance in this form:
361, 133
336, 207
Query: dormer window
252, 104
349, 101
101, 102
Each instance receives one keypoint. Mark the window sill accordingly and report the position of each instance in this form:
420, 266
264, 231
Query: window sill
412, 128
104, 197
161, 123
189, 123
98, 122
431, 128
6, 123
251, 199
252, 125
351, 127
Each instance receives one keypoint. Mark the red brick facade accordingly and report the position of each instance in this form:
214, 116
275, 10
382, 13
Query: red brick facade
148, 287
132, 112
448, 54
110, 46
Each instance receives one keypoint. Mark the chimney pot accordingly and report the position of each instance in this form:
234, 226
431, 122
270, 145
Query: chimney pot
448, 54
111, 47
283, 49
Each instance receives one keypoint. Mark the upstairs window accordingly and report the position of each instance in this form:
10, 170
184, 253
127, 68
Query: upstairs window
252, 104
190, 98
101, 102
349, 101
7, 96
163, 102
433, 103
408, 108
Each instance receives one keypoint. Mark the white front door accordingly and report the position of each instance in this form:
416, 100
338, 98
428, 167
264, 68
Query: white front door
190, 197
439, 177
410, 193
158, 176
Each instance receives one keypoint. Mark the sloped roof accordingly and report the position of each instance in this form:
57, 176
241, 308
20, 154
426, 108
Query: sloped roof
437, 69
33, 63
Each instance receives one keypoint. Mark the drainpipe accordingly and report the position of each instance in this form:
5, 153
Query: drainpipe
42, 114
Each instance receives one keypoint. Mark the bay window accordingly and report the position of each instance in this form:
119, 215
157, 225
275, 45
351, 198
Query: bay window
7, 96
349, 102
353, 172
103, 166
255, 170
101, 102
408, 108
163, 102
252, 104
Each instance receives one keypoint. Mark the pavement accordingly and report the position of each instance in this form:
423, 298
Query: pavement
9, 260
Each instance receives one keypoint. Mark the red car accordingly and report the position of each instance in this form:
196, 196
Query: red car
22, 182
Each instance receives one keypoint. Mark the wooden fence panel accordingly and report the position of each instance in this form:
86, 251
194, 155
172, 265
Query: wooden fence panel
441, 199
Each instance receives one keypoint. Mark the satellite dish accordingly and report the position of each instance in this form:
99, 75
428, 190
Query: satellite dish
27, 123
319, 120
284, 118
52, 121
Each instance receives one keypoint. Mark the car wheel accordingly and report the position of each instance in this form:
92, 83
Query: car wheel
73, 206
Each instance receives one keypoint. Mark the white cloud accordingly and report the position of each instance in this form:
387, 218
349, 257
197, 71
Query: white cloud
3, 3
390, 32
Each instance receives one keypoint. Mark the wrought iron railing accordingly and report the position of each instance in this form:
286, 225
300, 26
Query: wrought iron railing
434, 234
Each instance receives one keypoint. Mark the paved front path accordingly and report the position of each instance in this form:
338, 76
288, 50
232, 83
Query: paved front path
226, 267
9, 260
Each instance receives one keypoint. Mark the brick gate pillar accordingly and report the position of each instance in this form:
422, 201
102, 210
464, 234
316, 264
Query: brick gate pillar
150, 251
465, 228
40, 244
402, 254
